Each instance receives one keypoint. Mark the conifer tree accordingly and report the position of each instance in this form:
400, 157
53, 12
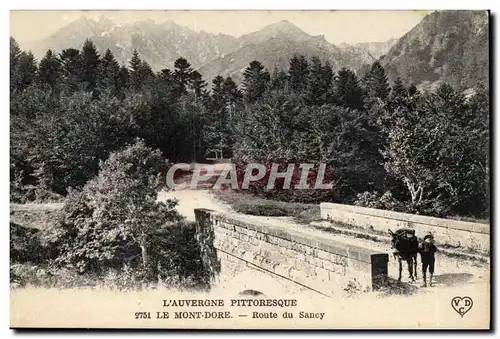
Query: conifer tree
25, 71
146, 74
71, 66
135, 61
255, 80
197, 85
165, 75
298, 73
109, 72
50, 70
399, 95
217, 95
320, 81
399, 89
90, 61
232, 93
15, 52
123, 79
279, 79
182, 75
375, 82
347, 91
135, 68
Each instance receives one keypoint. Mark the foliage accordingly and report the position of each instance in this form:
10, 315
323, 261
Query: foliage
25, 244
256, 77
76, 106
112, 219
374, 200
283, 129
437, 147
376, 83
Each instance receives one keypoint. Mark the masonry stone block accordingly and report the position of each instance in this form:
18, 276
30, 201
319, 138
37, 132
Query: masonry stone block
307, 259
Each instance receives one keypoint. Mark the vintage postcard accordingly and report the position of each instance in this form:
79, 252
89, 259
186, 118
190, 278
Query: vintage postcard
250, 169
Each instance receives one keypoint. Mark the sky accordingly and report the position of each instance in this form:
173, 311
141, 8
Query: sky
337, 26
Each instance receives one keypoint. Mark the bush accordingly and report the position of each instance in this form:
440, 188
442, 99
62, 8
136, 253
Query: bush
33, 194
109, 222
176, 257
436, 208
25, 244
115, 224
47, 276
385, 202
278, 192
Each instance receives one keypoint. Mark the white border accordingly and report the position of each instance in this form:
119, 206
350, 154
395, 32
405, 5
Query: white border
193, 4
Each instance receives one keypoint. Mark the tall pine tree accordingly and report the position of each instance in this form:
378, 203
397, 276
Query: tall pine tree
71, 66
279, 79
182, 75
198, 85
255, 80
15, 54
109, 72
320, 82
232, 94
90, 61
123, 79
146, 74
298, 74
375, 83
135, 70
50, 70
347, 91
25, 71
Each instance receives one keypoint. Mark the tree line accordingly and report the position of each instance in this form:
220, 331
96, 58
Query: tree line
387, 145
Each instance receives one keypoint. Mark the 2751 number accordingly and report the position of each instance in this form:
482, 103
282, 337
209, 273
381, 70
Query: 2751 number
142, 315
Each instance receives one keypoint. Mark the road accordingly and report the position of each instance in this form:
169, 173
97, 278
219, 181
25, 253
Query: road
451, 272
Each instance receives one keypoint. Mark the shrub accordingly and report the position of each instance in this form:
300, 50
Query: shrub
293, 194
110, 221
386, 201
25, 244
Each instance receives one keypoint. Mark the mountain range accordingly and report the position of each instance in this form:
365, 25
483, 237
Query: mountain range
447, 46
213, 54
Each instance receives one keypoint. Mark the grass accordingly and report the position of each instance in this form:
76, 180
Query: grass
249, 204
30, 275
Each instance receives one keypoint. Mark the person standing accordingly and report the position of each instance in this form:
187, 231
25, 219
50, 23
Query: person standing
427, 251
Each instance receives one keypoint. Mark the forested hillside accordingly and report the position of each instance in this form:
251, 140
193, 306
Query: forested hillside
386, 144
445, 47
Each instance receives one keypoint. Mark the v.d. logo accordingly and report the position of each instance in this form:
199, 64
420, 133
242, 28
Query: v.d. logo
462, 305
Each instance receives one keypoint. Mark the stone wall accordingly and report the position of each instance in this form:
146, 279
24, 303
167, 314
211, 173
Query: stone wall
313, 260
466, 236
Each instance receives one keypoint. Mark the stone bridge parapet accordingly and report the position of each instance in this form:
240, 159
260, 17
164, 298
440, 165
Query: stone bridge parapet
466, 236
307, 257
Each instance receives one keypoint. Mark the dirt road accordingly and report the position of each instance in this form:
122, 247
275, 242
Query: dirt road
408, 307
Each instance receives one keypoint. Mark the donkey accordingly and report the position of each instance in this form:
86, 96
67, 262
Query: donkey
405, 245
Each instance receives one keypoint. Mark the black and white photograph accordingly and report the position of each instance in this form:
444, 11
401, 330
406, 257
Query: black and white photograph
250, 169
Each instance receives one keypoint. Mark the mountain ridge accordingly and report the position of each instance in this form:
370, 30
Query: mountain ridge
160, 44
446, 46
449, 46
